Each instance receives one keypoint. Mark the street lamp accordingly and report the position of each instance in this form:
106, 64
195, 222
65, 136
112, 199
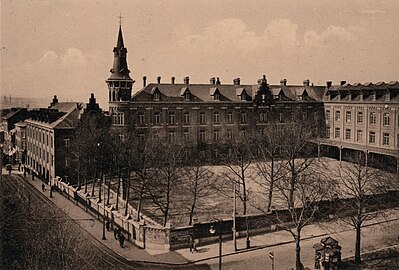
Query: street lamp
212, 230
103, 209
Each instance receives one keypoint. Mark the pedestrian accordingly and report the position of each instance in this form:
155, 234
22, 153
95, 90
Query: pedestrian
116, 232
195, 244
107, 225
190, 243
19, 167
43, 187
121, 239
33, 176
24, 174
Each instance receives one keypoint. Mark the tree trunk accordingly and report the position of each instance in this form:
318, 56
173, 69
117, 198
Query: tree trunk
117, 192
270, 196
298, 263
109, 187
192, 210
127, 193
140, 201
357, 246
92, 188
86, 184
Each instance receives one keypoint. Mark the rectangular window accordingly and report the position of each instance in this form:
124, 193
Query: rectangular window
337, 115
243, 117
385, 139
66, 162
328, 130
216, 117
186, 118
186, 136
372, 137
359, 135
216, 135
202, 136
243, 133
280, 117
337, 132
23, 134
262, 117
171, 136
66, 143
118, 119
373, 118
121, 137
328, 115
387, 119
202, 118
347, 134
157, 118
348, 116
229, 134
230, 117
171, 117
360, 117
141, 118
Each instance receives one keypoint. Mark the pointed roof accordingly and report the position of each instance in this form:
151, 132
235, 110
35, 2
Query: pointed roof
119, 43
120, 70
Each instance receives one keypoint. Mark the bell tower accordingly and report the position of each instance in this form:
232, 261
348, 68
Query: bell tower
119, 83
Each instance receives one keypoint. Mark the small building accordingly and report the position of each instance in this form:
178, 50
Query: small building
327, 254
20, 142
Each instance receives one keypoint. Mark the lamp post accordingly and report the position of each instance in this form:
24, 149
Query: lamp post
213, 229
103, 209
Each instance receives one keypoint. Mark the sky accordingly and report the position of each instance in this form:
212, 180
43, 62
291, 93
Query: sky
64, 47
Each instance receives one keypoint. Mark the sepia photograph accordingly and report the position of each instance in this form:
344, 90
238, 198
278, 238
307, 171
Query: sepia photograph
204, 135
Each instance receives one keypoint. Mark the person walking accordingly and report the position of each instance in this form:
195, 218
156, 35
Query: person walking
116, 232
191, 243
43, 187
121, 239
107, 225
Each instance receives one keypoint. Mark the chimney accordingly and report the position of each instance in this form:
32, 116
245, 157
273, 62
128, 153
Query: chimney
144, 81
236, 81
159, 79
283, 82
217, 80
212, 80
55, 101
306, 83
342, 82
329, 83
172, 80
186, 80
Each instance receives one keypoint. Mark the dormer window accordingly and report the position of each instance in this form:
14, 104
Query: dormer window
187, 96
214, 92
157, 96
185, 93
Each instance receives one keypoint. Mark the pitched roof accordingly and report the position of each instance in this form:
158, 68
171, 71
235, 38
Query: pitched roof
203, 92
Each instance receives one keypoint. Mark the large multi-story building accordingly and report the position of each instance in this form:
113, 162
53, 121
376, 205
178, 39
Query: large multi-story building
363, 117
49, 131
209, 113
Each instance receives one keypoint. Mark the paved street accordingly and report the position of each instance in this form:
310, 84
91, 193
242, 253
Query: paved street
132, 257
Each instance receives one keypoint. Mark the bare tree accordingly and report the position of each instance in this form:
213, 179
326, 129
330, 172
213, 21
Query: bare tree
360, 185
198, 181
169, 165
269, 165
300, 200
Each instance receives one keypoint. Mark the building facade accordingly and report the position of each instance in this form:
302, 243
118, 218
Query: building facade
363, 117
20, 142
206, 113
49, 131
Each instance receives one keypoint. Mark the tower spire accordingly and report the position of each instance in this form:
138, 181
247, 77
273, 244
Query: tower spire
119, 83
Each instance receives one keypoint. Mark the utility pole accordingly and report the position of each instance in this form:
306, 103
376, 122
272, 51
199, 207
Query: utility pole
234, 229
104, 208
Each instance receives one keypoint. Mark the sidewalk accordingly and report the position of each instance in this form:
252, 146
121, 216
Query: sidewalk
95, 227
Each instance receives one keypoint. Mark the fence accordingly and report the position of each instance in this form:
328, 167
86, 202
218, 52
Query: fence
146, 233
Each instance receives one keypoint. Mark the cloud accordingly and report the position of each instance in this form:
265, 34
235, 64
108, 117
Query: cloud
372, 11
72, 57
281, 32
331, 34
